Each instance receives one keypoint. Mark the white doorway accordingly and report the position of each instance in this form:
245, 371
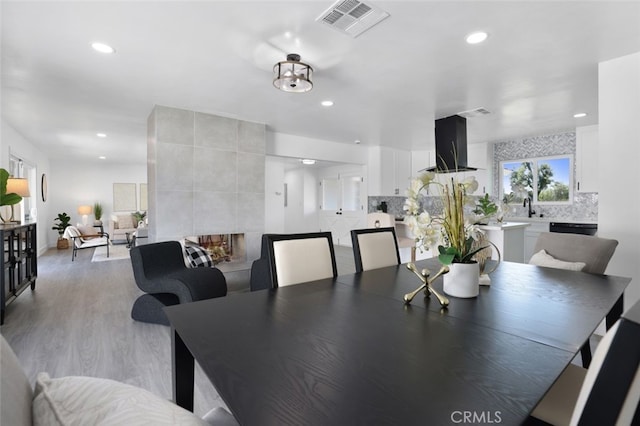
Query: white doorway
343, 200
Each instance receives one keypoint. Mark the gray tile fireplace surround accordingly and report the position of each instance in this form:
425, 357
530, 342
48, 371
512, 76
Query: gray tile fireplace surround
205, 176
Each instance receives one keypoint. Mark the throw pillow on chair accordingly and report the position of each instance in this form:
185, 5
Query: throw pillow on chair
198, 256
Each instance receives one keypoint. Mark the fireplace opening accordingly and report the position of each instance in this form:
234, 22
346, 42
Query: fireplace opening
223, 247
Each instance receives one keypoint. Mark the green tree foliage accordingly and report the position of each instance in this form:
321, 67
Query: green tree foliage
522, 178
548, 189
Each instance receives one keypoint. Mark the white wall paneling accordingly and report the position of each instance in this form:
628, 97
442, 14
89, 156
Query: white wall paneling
619, 150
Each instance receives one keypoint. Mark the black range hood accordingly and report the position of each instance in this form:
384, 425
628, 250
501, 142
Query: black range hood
451, 145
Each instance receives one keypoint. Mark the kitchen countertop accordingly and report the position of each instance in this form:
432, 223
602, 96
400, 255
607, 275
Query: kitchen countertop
504, 226
545, 219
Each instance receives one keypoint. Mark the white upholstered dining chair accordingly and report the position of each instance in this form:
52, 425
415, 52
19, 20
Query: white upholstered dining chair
386, 220
298, 258
608, 393
374, 248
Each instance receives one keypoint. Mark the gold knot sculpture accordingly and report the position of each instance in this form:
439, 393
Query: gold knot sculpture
426, 284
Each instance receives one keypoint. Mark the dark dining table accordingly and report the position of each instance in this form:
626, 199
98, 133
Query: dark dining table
349, 351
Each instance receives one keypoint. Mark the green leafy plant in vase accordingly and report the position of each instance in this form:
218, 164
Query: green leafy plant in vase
485, 209
60, 224
97, 213
139, 217
455, 235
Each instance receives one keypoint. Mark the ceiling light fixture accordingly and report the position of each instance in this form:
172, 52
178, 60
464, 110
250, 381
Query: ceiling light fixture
102, 157
477, 37
308, 161
327, 103
580, 115
292, 75
101, 135
103, 48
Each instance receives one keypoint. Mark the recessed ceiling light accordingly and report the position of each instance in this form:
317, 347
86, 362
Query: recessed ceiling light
580, 115
477, 37
327, 103
102, 48
357, 141
308, 161
101, 135
102, 157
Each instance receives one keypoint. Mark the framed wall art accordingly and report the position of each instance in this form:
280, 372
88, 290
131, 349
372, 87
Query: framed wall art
124, 197
143, 197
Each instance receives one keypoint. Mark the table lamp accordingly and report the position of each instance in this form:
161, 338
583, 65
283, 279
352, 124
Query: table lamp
85, 211
19, 186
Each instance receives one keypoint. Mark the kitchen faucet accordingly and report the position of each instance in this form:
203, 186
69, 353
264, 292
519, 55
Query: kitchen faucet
527, 201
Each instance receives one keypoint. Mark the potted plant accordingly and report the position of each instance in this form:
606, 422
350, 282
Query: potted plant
62, 223
97, 213
485, 209
139, 216
451, 230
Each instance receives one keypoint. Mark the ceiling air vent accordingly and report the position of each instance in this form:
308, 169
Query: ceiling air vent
352, 17
474, 113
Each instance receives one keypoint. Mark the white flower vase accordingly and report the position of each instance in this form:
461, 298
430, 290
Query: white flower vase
462, 280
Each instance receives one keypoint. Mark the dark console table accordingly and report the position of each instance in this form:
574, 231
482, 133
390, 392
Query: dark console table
19, 263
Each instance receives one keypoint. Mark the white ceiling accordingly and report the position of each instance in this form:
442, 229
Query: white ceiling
538, 67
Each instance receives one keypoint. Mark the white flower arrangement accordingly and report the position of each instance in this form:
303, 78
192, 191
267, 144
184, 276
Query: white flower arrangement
452, 230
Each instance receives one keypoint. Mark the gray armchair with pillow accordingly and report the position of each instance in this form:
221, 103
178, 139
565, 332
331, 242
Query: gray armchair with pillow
86, 401
579, 253
160, 271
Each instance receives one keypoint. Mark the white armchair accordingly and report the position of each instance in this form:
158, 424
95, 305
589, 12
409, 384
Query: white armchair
82, 239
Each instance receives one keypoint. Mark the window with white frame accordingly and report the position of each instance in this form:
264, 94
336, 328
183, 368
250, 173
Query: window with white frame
547, 180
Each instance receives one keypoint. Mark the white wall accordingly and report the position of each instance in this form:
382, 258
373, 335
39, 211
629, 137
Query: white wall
283, 145
619, 152
73, 183
12, 142
301, 212
274, 196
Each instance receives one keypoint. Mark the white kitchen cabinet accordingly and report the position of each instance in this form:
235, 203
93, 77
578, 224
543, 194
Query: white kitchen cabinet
477, 156
421, 160
587, 159
393, 174
509, 238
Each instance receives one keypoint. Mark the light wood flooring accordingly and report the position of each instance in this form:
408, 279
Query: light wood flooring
77, 322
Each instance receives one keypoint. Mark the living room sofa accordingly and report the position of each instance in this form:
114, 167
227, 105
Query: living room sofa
121, 224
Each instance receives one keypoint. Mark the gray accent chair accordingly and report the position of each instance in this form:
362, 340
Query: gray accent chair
160, 271
21, 406
595, 252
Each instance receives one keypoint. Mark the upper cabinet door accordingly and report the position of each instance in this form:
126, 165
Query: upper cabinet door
587, 159
393, 172
478, 156
403, 172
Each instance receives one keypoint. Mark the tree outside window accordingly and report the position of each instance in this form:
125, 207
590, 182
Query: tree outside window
544, 180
